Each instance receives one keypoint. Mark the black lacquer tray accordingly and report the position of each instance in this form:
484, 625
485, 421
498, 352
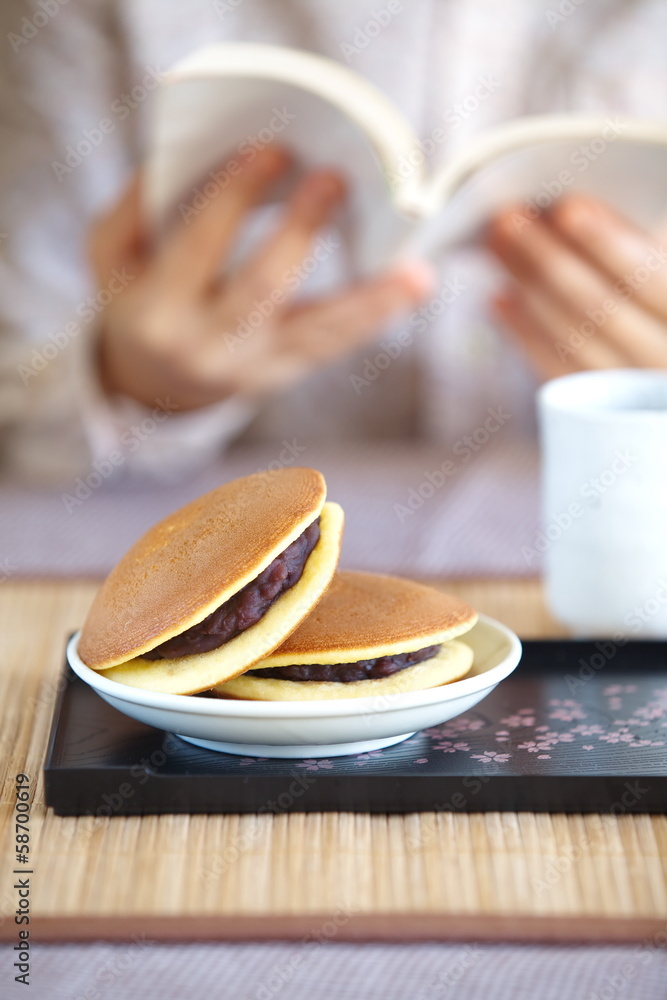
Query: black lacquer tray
578, 727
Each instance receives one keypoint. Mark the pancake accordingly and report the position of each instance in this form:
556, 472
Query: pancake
199, 558
364, 619
451, 663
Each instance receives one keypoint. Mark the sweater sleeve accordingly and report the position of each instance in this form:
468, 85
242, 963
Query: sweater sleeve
71, 135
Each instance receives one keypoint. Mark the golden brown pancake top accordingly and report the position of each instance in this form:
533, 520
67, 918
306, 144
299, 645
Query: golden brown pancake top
196, 558
362, 610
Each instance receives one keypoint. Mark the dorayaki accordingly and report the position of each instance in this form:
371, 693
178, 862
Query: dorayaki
369, 635
217, 585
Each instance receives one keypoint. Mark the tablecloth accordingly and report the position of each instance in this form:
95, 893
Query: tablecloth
403, 513
294, 971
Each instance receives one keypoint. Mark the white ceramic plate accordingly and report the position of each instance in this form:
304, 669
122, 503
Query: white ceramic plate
314, 728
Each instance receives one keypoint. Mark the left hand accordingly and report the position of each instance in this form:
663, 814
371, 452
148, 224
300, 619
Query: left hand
590, 288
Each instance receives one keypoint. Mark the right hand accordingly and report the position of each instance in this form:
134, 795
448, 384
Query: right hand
174, 329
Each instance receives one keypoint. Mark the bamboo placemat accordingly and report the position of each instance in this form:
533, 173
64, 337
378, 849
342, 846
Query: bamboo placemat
477, 876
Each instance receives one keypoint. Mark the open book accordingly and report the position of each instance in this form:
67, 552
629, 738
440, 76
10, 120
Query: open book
227, 99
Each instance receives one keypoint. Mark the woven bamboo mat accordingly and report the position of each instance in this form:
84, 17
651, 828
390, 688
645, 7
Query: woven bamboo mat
478, 876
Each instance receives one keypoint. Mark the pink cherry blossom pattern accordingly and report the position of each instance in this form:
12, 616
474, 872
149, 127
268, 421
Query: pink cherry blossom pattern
650, 711
447, 746
455, 727
312, 764
491, 757
468, 725
566, 710
587, 730
361, 758
522, 717
530, 745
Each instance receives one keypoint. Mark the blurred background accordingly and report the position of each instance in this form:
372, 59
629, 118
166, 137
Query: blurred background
118, 402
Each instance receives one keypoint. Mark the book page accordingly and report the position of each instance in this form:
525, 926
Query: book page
201, 124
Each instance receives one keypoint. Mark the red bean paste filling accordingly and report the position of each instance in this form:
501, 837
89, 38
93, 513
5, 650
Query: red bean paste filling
343, 673
246, 607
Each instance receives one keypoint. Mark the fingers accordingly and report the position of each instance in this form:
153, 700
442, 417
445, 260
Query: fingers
630, 257
117, 237
311, 335
338, 325
540, 259
554, 345
271, 274
191, 256
525, 329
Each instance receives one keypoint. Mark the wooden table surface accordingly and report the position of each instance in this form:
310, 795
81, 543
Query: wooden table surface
352, 876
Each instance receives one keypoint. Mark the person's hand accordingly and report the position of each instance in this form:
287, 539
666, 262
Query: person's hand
590, 289
179, 328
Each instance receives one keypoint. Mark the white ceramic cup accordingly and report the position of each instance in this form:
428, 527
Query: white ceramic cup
604, 501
